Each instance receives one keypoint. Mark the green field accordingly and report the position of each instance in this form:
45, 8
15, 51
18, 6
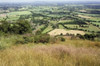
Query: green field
19, 13
49, 28
90, 28
15, 15
61, 27
50, 34
97, 23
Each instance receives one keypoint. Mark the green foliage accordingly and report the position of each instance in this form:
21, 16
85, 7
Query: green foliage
87, 36
38, 32
53, 39
1, 33
24, 40
24, 27
43, 38
8, 40
4, 26
20, 41
79, 21
62, 39
20, 27
28, 39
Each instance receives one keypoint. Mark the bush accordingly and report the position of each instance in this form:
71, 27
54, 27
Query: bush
80, 36
87, 36
42, 38
2, 33
28, 39
20, 27
61, 34
62, 39
24, 40
53, 40
20, 41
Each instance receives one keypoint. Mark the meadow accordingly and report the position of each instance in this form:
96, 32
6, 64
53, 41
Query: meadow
69, 53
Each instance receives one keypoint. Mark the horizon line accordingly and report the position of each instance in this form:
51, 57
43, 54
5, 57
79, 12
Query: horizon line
49, 1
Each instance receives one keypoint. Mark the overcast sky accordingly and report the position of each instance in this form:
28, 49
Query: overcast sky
41, 0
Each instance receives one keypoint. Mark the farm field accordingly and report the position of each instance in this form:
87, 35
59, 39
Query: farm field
87, 17
49, 28
57, 18
14, 15
90, 27
64, 32
97, 23
53, 33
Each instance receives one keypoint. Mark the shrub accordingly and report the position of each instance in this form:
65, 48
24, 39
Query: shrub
28, 39
4, 26
61, 34
21, 41
20, 27
1, 33
53, 40
42, 38
38, 32
87, 36
62, 39
80, 36
23, 27
24, 40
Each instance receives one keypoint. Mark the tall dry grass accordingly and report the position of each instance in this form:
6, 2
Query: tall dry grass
50, 55
68, 53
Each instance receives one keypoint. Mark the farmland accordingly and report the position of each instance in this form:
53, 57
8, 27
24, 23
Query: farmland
55, 17
50, 34
64, 32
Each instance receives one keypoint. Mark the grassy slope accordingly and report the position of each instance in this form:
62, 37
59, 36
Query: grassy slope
49, 28
52, 55
68, 53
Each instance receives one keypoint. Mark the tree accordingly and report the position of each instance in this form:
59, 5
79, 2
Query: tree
20, 27
4, 26
23, 27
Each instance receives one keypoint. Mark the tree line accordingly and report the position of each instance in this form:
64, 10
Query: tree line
18, 27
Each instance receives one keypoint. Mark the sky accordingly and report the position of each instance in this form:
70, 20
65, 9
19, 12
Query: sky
41, 0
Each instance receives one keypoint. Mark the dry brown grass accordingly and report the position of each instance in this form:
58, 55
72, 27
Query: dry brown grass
82, 16
50, 55
64, 32
68, 53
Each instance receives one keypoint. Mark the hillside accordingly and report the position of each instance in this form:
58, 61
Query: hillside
50, 34
71, 52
